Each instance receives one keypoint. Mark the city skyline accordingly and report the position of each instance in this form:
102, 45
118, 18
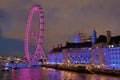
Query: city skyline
62, 20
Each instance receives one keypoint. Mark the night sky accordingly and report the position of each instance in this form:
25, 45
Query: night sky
63, 19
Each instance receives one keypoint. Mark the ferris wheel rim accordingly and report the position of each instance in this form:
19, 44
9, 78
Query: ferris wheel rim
28, 26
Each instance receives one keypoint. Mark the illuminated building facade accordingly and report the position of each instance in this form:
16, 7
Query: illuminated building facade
114, 57
56, 57
99, 53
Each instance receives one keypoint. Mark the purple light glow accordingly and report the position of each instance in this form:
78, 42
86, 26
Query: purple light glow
39, 50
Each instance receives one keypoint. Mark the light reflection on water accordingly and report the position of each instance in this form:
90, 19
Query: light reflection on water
49, 74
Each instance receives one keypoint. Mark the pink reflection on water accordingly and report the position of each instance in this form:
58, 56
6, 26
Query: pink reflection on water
50, 74
29, 74
13, 74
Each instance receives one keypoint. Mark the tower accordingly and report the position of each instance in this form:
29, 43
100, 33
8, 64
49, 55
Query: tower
76, 38
108, 36
94, 36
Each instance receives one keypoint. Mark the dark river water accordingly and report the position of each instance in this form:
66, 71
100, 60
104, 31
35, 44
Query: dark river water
49, 74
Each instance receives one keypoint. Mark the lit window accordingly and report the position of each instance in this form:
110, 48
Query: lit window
112, 45
113, 53
113, 57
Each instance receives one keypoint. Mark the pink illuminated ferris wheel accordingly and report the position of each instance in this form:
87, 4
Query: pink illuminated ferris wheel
38, 53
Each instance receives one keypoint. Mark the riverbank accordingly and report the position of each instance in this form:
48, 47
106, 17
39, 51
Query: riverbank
83, 69
70, 67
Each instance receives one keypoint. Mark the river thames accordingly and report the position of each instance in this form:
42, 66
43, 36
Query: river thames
49, 74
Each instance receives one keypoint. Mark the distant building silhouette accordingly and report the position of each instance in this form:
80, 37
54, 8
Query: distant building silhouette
81, 37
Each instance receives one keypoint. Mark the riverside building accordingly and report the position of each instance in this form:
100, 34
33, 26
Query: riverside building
102, 52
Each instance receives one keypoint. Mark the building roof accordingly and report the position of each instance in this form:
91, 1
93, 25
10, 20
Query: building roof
78, 45
56, 50
115, 40
101, 39
71, 45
